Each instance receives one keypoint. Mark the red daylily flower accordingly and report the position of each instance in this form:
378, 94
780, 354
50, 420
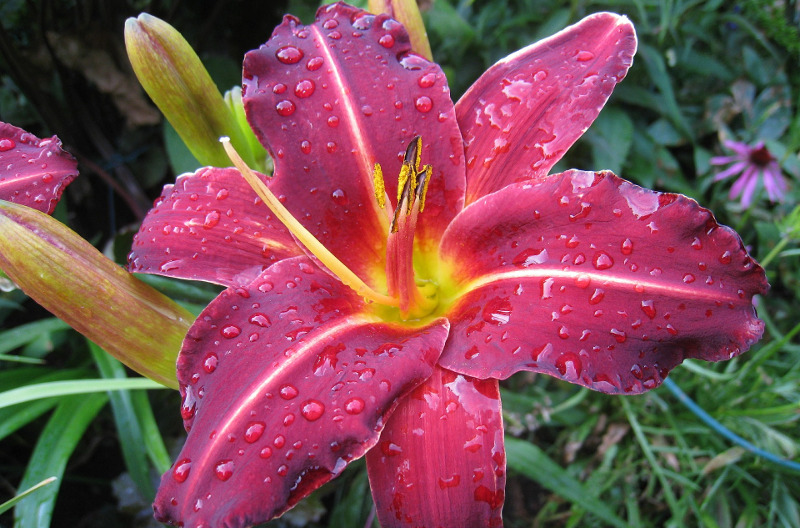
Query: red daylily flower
33, 171
290, 374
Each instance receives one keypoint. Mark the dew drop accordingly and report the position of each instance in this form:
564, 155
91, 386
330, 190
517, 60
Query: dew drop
387, 41
211, 219
265, 452
697, 244
331, 147
312, 410
314, 63
181, 470
339, 197
331, 23
367, 110
530, 256
427, 80
230, 331
648, 309
334, 35
619, 335
283, 470
224, 469
725, 258
627, 246
563, 332
583, 56
285, 108
390, 449
688, 278
333, 121
288, 419
7, 144
354, 406
636, 371
279, 88
569, 365
597, 296
449, 482
304, 88
210, 362
260, 319
279, 441
582, 281
602, 260
423, 104
289, 55
497, 311
288, 392
254, 431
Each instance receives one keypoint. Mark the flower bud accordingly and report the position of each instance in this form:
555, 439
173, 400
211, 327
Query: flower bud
69, 277
407, 13
178, 83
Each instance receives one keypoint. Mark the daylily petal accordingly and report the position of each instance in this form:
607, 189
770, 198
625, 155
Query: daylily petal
284, 383
33, 171
332, 99
592, 279
440, 460
520, 116
210, 226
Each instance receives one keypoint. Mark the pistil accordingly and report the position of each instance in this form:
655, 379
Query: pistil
336, 266
400, 278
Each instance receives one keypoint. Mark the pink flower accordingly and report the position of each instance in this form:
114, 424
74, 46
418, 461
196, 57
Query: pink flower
750, 163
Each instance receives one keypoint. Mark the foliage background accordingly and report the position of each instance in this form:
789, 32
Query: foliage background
706, 71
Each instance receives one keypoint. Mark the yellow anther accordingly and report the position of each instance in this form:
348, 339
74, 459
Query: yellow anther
405, 170
426, 179
378, 185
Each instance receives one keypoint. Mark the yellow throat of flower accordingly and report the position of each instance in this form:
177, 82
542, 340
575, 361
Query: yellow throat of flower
413, 300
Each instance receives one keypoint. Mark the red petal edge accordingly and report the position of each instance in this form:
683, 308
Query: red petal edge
589, 278
284, 383
210, 226
331, 99
440, 460
521, 115
34, 172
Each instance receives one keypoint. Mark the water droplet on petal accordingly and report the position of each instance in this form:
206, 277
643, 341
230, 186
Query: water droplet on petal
597, 296
283, 470
339, 197
354, 406
330, 146
260, 319
331, 23
254, 431
529, 257
427, 80
181, 470
619, 335
289, 55
314, 63
305, 146
7, 144
285, 108
602, 260
497, 311
279, 441
569, 365
423, 104
304, 88
265, 452
449, 482
288, 392
725, 258
210, 362
390, 449
211, 219
697, 244
230, 331
583, 56
649, 309
627, 246
312, 410
224, 469
688, 278
333, 121
387, 41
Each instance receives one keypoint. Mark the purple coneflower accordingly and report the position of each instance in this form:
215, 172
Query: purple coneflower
750, 163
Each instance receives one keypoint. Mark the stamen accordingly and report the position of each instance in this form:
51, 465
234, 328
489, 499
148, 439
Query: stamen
425, 179
336, 266
379, 186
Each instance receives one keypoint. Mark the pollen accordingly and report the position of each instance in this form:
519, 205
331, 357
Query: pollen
378, 185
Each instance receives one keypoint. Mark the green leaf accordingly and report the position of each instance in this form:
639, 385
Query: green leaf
527, 459
49, 459
64, 388
610, 138
26, 333
131, 437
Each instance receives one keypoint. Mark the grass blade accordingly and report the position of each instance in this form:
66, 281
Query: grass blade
524, 457
56, 444
64, 388
7, 505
